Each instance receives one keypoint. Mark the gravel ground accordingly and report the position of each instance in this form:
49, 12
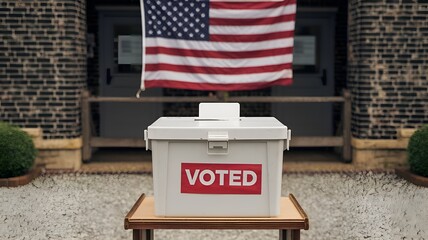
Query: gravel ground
340, 206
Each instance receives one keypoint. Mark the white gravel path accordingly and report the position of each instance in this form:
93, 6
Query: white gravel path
340, 206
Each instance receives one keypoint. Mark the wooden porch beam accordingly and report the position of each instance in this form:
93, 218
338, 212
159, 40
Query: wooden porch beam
218, 99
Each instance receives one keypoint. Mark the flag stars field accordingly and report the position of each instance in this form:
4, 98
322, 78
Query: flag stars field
178, 19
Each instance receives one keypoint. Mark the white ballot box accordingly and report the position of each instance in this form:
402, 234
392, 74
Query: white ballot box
218, 164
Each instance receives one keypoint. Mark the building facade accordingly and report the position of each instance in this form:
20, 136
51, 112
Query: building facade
51, 50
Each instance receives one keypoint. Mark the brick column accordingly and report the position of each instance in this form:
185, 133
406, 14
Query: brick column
388, 66
43, 66
387, 71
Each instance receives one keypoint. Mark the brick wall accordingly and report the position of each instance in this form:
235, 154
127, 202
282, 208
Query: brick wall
388, 66
43, 64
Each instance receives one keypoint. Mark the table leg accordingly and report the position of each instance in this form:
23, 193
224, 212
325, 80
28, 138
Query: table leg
142, 234
289, 234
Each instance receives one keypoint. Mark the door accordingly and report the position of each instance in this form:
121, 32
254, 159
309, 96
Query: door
120, 71
313, 69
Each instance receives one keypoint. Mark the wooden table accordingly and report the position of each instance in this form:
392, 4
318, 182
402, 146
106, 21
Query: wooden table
142, 220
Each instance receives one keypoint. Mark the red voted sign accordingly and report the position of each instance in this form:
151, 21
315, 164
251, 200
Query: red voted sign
210, 178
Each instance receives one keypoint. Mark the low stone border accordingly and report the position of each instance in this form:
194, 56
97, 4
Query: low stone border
411, 177
21, 180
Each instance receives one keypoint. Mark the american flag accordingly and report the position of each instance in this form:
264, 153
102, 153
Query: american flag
218, 45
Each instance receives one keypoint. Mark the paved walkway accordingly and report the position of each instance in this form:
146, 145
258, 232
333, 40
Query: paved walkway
340, 206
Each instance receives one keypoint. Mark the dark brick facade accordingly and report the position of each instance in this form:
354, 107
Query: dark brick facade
381, 54
388, 66
43, 64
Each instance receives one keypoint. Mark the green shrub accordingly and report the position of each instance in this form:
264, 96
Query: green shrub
17, 151
418, 152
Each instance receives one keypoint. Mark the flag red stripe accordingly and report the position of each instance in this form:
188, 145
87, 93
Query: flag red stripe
249, 5
216, 70
218, 54
215, 87
250, 38
252, 22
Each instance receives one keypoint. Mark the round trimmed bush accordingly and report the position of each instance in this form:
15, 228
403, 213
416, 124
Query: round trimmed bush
418, 152
17, 151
